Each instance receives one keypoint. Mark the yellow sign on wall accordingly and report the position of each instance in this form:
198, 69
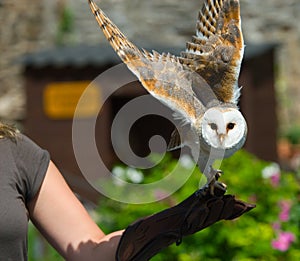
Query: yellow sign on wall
61, 99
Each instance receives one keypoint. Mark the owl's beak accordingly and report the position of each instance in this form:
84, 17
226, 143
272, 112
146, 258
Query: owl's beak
221, 138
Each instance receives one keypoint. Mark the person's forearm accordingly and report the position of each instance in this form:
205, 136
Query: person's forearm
104, 250
107, 248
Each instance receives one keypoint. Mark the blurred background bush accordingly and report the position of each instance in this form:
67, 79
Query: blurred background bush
269, 232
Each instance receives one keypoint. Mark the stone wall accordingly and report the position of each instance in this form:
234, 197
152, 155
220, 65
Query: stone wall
25, 27
278, 22
33, 25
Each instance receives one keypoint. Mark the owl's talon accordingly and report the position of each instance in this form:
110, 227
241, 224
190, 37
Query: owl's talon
220, 189
220, 185
217, 188
214, 186
218, 174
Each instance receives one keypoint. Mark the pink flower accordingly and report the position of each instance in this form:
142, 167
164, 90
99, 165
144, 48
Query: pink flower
275, 179
283, 242
160, 194
285, 206
253, 198
276, 226
272, 172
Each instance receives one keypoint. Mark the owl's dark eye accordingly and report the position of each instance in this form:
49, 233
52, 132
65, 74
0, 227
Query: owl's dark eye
213, 126
230, 126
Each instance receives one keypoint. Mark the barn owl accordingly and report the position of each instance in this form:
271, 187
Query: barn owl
206, 104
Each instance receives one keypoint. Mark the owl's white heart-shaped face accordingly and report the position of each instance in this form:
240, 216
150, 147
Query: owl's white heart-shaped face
224, 128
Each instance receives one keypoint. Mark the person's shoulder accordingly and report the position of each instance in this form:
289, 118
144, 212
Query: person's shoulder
23, 139
21, 144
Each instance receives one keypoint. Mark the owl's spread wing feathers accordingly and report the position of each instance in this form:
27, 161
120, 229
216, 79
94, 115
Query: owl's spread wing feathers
162, 75
217, 49
206, 74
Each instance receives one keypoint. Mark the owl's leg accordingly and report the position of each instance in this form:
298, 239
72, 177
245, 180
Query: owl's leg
205, 164
214, 183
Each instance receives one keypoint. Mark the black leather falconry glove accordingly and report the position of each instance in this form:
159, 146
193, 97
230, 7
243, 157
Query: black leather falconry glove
147, 236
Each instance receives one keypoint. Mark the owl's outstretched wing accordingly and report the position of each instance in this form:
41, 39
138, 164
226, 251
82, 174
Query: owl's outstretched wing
162, 75
217, 49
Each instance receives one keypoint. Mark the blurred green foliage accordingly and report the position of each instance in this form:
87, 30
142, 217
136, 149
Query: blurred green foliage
247, 238
65, 26
38, 248
293, 134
